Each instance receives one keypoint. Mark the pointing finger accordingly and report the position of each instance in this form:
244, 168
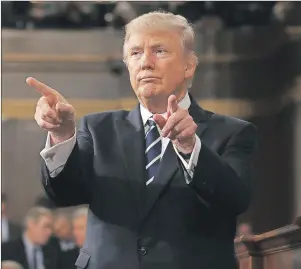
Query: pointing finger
45, 90
172, 104
40, 87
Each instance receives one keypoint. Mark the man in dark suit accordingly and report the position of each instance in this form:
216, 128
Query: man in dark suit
164, 182
31, 249
10, 230
62, 230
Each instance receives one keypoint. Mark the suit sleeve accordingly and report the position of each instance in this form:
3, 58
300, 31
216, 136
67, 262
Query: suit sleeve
56, 156
7, 251
4, 255
15, 230
72, 186
224, 181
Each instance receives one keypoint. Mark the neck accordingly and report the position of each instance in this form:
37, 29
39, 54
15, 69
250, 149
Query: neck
29, 236
158, 104
65, 238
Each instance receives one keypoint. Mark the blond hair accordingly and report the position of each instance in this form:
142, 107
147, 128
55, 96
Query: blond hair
162, 19
35, 213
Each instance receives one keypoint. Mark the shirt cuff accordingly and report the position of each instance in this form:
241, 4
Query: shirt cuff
192, 162
57, 156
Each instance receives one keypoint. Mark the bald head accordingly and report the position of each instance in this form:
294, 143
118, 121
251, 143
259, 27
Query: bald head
62, 227
11, 265
79, 225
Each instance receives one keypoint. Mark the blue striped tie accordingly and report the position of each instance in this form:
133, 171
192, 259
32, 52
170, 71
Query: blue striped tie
152, 151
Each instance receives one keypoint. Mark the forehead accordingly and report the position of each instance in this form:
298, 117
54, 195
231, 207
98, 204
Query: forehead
44, 219
62, 221
154, 37
61, 218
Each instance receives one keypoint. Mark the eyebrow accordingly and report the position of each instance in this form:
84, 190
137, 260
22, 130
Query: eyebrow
135, 47
154, 46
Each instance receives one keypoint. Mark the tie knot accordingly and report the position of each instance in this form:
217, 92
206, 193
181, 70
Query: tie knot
151, 122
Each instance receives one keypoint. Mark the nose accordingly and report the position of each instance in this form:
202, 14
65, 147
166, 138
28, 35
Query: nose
147, 61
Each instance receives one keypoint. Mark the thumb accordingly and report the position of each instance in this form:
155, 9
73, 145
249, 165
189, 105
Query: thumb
160, 120
52, 100
65, 111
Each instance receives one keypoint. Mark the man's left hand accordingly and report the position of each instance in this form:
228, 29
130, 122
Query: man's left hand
179, 126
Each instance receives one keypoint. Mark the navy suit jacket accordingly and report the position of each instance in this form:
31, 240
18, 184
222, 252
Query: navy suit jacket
15, 251
169, 224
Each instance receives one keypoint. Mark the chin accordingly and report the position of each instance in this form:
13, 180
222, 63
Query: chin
149, 92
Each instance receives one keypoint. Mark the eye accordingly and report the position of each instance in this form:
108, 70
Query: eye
133, 53
160, 51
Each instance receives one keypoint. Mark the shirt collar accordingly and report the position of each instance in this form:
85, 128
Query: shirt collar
28, 244
4, 219
145, 114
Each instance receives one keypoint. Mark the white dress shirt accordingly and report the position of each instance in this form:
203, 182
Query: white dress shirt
66, 245
29, 248
5, 229
56, 156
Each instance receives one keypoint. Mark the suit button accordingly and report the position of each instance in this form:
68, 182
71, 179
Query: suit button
143, 251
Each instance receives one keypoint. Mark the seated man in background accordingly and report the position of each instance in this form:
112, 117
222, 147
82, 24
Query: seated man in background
10, 230
10, 265
62, 230
79, 224
31, 249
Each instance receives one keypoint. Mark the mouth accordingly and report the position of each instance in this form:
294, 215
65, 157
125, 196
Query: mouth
148, 79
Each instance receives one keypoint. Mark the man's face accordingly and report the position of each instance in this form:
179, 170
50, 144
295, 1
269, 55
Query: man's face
3, 208
41, 229
79, 230
157, 64
62, 228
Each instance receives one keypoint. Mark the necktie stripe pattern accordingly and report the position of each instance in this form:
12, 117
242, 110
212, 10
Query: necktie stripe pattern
152, 144
150, 181
153, 151
152, 127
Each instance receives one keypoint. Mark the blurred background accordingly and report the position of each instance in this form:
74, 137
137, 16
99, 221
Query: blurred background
250, 65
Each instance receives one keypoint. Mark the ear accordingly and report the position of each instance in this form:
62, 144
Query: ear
125, 62
191, 65
31, 224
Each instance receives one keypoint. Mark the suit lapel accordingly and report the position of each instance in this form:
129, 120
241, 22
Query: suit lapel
131, 138
49, 257
199, 116
23, 256
170, 162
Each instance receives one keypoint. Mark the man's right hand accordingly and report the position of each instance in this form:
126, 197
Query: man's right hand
53, 113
